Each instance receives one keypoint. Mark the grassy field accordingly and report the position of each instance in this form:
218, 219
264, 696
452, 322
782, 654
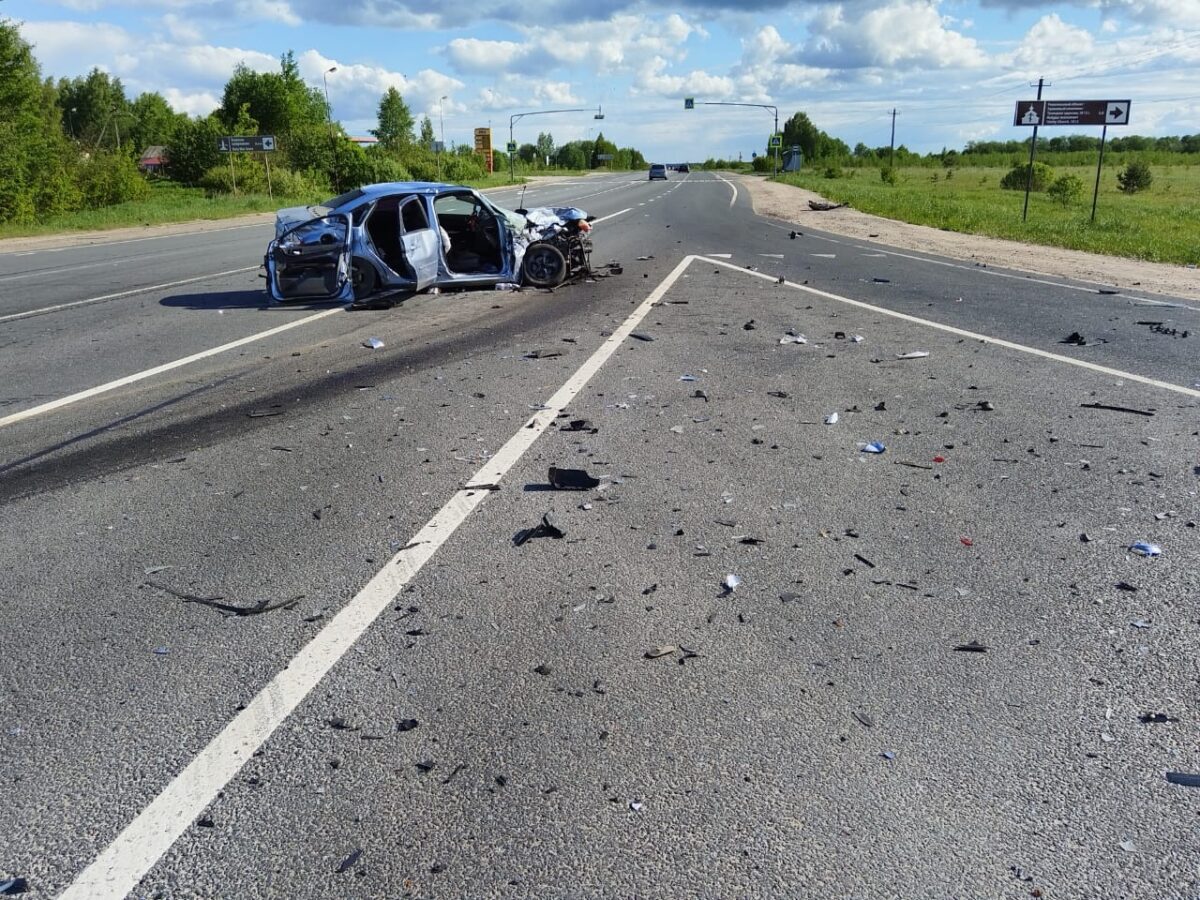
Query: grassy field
1161, 224
169, 203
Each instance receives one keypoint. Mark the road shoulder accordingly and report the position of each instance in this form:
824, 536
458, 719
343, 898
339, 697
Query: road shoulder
790, 204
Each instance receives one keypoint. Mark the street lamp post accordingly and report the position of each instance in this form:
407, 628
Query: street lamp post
329, 118
442, 133
767, 106
516, 117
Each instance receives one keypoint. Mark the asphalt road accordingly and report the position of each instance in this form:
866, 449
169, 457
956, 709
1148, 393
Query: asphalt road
443, 713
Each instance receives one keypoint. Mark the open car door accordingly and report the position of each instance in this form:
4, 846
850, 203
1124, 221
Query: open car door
312, 261
422, 244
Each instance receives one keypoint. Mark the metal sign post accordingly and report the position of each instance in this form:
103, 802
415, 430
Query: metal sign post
776, 139
1099, 163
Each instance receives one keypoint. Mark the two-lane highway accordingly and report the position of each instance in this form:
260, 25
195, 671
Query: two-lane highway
271, 630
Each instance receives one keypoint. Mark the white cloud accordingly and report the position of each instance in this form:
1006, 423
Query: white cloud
899, 34
197, 103
355, 89
474, 55
1053, 43
76, 47
619, 45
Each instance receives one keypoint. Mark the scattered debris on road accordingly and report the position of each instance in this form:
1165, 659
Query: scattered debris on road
571, 480
1184, 778
1145, 548
229, 609
972, 647
546, 529
348, 863
373, 344
1124, 409
824, 206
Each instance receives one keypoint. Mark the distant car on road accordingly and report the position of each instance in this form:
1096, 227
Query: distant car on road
684, 168
658, 170
410, 236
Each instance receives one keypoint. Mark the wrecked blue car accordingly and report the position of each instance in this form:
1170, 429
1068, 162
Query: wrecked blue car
406, 237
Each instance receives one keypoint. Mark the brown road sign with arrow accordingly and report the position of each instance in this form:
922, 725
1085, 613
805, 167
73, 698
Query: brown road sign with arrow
1071, 112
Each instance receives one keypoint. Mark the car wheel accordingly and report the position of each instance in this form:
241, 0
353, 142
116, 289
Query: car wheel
363, 278
544, 266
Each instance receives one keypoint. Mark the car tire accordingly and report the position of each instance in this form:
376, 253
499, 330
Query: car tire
363, 278
544, 266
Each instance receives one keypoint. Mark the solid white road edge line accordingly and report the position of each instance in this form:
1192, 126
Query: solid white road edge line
984, 270
612, 215
158, 370
119, 868
117, 296
950, 329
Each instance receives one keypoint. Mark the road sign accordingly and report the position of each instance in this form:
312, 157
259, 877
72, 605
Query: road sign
483, 140
1071, 112
512, 146
689, 102
776, 140
604, 157
260, 143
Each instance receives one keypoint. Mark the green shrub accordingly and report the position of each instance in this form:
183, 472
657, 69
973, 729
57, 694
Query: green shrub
888, 176
833, 172
1065, 189
109, 178
1134, 177
1017, 177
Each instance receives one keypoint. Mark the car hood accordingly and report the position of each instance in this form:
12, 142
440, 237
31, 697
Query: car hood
289, 218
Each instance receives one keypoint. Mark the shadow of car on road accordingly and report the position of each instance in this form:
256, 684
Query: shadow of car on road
257, 299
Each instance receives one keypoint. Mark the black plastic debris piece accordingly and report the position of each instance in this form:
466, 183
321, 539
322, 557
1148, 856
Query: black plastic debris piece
750, 539
882, 280
229, 609
972, 647
789, 598
580, 425
685, 654
1124, 409
1075, 338
264, 413
1125, 586
205, 822
542, 669
425, 766
839, 335
863, 719
1156, 718
749, 326
782, 395
571, 479
866, 562
912, 465
700, 395
454, 772
348, 863
407, 725
337, 723
985, 406
881, 406
542, 354
793, 234
1187, 779
547, 528
10, 887
638, 336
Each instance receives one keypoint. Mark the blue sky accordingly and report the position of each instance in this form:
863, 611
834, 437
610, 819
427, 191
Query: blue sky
953, 69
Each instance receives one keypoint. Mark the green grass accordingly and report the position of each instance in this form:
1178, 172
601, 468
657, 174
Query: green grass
167, 203
1160, 225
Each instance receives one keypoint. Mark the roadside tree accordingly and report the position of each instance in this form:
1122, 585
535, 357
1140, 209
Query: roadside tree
395, 131
1136, 176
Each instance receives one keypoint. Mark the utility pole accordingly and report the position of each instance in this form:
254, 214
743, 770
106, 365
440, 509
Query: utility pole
1032, 151
892, 157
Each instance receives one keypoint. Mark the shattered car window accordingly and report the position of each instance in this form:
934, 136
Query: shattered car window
342, 199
